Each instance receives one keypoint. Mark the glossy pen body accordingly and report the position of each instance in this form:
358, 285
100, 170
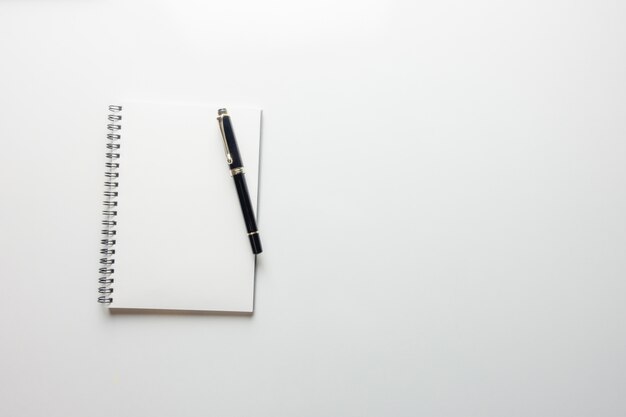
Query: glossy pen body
235, 163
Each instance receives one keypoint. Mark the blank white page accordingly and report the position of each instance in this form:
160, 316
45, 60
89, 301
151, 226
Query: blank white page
181, 239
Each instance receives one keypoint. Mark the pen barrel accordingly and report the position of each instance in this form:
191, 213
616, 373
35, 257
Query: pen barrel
248, 212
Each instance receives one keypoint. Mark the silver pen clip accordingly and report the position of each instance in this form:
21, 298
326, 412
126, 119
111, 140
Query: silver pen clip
220, 118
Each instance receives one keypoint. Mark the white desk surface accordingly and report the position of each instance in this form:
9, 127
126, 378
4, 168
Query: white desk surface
442, 205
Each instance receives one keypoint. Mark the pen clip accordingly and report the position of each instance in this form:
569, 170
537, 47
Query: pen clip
220, 118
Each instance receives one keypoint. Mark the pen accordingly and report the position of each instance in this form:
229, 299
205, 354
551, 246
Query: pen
236, 171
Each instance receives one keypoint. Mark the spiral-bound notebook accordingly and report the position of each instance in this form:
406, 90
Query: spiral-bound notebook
173, 235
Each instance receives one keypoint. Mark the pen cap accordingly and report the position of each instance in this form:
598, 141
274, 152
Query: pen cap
255, 242
231, 141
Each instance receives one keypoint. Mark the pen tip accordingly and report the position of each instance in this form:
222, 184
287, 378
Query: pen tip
221, 112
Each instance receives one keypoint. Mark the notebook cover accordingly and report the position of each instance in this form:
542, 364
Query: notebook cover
181, 243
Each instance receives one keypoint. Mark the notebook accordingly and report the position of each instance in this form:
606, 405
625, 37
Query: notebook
173, 234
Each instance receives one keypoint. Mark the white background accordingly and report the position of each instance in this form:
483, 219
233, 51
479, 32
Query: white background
442, 208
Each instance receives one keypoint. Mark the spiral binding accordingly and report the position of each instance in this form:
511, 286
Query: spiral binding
110, 206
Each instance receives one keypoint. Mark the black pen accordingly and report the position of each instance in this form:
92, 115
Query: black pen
233, 158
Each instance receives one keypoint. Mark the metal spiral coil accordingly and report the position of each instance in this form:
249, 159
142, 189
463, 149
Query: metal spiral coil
111, 183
